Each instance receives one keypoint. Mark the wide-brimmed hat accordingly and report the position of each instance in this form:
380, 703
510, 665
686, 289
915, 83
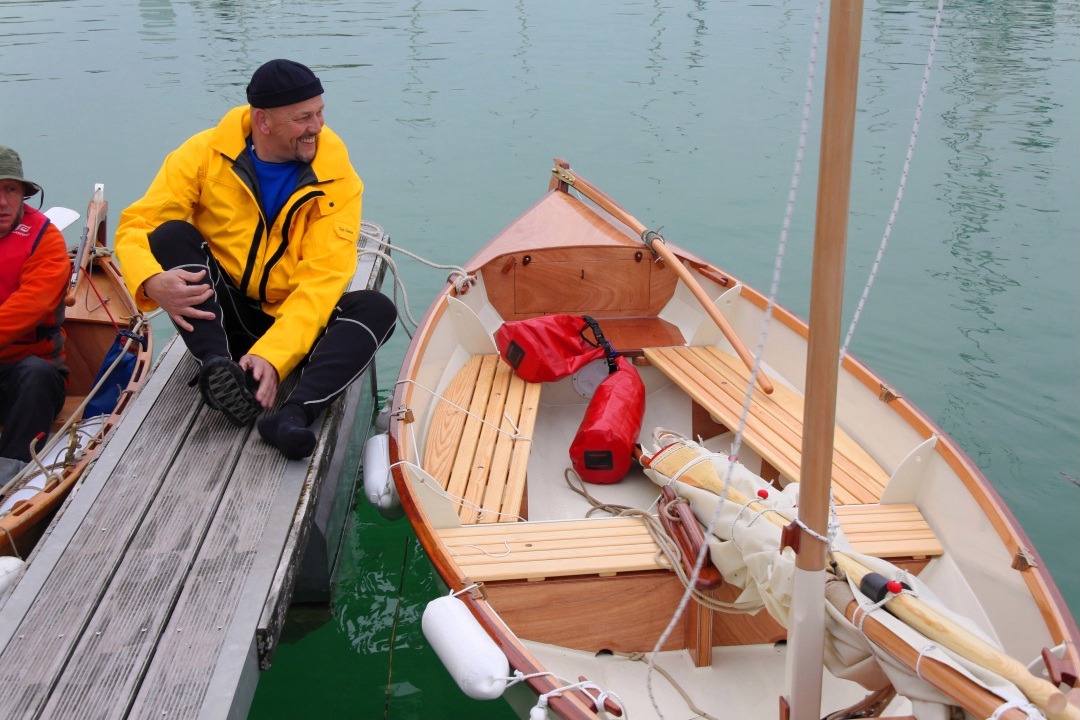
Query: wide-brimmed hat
11, 169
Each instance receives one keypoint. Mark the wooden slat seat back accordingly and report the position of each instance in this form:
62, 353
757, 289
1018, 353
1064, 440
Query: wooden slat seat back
717, 381
479, 440
560, 548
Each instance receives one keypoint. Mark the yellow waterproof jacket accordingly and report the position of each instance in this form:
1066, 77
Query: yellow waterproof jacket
297, 269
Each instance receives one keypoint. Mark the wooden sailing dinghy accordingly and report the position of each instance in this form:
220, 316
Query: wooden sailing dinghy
100, 316
936, 605
479, 456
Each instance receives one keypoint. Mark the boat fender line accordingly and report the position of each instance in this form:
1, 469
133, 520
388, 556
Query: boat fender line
471, 657
604, 700
10, 568
378, 483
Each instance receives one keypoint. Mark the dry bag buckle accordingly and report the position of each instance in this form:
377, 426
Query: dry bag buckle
601, 341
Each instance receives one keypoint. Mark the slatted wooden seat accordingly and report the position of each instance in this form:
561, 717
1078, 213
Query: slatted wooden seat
888, 531
559, 548
717, 381
481, 455
608, 546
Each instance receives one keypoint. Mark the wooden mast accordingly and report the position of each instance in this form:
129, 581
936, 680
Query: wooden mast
806, 636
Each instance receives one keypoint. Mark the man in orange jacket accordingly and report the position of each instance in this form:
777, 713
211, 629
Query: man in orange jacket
34, 270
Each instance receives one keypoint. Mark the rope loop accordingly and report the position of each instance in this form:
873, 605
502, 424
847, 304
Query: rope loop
1028, 708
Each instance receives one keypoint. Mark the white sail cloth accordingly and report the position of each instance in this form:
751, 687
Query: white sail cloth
744, 546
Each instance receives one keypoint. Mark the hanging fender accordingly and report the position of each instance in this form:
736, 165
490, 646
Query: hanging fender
604, 444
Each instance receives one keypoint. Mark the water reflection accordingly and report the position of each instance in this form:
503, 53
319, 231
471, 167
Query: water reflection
159, 20
999, 67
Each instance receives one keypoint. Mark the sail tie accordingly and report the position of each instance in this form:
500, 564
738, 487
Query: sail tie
1029, 709
922, 653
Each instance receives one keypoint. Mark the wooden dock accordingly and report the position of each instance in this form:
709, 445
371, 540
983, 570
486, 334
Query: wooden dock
161, 589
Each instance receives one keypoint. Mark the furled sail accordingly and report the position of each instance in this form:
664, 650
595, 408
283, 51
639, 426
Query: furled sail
747, 515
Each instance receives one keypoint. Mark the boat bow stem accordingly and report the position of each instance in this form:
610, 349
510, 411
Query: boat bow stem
655, 242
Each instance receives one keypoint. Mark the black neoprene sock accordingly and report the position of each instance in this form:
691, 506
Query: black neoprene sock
288, 431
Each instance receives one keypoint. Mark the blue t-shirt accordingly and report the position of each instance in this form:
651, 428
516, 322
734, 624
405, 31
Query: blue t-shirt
276, 183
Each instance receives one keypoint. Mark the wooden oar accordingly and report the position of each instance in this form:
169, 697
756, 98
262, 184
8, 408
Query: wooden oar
925, 619
656, 243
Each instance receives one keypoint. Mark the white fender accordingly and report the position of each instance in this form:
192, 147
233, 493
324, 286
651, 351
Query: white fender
9, 571
378, 483
471, 657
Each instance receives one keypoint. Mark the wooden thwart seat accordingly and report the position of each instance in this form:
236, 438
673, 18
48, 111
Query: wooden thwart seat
559, 548
888, 531
717, 381
479, 440
608, 546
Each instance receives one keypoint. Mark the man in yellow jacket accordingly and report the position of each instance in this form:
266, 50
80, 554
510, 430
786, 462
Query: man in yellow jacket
247, 239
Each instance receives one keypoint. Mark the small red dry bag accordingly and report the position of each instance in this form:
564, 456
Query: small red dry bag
604, 445
544, 349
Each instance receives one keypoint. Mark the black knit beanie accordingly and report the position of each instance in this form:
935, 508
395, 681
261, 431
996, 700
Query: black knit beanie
282, 82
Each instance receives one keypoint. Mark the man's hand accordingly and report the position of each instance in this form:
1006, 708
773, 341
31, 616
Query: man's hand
178, 292
263, 373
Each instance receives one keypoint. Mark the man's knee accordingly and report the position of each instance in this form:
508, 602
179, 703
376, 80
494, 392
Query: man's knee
372, 309
176, 242
37, 380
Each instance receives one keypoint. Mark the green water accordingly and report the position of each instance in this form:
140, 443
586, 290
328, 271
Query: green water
685, 111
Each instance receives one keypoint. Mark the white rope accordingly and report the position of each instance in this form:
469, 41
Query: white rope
439, 490
506, 553
459, 277
903, 182
867, 608
457, 269
922, 653
464, 590
1030, 710
516, 435
539, 711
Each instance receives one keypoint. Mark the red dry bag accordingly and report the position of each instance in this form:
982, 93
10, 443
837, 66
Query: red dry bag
544, 349
604, 445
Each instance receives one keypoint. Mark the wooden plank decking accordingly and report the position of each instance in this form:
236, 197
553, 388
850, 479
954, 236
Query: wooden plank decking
160, 590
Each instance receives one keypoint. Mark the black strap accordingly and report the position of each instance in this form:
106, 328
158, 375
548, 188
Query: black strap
609, 351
